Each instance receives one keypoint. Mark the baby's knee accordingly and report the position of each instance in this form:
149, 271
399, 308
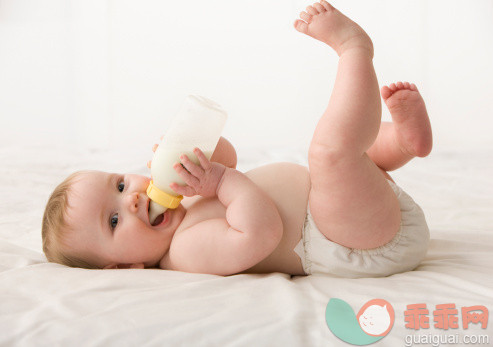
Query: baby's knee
325, 157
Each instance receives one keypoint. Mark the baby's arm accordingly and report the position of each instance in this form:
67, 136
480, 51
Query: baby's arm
251, 231
225, 153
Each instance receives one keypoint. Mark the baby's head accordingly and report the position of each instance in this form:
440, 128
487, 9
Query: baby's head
100, 220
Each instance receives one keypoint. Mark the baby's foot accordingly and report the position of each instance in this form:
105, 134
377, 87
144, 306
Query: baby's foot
325, 23
411, 122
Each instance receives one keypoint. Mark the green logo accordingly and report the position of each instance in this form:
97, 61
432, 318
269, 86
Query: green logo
372, 323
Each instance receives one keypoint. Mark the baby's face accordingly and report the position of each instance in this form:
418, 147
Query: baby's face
109, 219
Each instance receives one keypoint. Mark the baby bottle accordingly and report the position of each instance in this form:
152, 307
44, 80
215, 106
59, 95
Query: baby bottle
199, 123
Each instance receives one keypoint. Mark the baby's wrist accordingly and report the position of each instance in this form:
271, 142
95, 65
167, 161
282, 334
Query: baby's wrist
221, 180
234, 184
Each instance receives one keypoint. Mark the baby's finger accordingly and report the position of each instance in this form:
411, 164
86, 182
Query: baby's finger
155, 147
182, 190
191, 167
185, 175
206, 164
149, 164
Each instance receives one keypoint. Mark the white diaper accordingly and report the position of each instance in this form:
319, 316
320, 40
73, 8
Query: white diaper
403, 253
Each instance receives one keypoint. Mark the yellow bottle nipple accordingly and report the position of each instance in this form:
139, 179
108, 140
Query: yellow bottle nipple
162, 198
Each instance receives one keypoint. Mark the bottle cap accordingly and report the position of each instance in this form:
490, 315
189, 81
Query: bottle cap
162, 198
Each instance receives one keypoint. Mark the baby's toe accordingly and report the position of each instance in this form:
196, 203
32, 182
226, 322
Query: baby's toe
306, 17
301, 26
386, 92
311, 10
326, 5
319, 7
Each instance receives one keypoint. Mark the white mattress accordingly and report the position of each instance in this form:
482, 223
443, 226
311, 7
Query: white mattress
46, 304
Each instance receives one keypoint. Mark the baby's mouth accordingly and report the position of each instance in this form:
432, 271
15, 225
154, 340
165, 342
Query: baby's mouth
159, 219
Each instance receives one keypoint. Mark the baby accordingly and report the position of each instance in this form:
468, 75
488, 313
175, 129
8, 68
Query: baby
343, 215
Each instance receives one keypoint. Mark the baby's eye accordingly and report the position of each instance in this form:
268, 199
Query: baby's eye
121, 187
114, 221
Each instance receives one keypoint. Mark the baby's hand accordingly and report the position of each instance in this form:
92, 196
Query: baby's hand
201, 180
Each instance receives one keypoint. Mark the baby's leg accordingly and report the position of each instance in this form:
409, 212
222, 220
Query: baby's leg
350, 200
408, 135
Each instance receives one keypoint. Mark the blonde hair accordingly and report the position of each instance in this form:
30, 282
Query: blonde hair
55, 227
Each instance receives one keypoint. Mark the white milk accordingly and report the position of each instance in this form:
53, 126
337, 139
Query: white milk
199, 123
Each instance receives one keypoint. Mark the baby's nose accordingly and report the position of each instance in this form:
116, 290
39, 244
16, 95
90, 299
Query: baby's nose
133, 201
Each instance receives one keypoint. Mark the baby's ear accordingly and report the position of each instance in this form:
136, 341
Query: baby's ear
125, 266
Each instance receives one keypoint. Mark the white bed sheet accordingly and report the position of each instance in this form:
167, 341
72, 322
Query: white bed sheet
49, 304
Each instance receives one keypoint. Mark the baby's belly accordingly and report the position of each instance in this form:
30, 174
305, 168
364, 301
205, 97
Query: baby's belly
288, 185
